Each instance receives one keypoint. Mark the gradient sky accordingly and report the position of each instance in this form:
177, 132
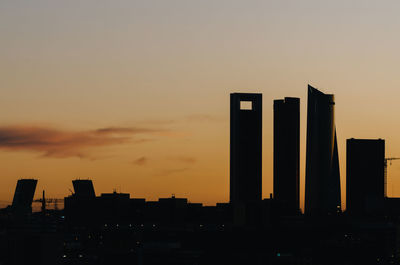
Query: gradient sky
135, 94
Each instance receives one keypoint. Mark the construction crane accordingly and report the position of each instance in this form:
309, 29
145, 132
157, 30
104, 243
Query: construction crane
47, 201
390, 159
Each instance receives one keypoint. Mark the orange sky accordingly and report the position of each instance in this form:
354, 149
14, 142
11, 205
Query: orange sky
135, 94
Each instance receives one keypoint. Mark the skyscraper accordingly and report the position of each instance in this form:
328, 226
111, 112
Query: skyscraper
322, 195
23, 196
82, 205
246, 147
365, 173
83, 188
287, 154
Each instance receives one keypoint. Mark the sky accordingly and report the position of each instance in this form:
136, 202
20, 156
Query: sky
135, 94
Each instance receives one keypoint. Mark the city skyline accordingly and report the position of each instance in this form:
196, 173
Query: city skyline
166, 69
199, 132
117, 130
246, 120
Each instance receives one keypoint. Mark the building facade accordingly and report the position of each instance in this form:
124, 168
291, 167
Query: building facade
23, 196
245, 147
322, 194
84, 188
365, 175
287, 155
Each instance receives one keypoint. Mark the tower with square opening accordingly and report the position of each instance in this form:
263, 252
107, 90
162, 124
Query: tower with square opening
245, 147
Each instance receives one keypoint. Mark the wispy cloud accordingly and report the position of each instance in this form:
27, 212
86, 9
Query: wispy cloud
157, 122
203, 118
167, 172
125, 130
52, 142
184, 159
141, 161
197, 117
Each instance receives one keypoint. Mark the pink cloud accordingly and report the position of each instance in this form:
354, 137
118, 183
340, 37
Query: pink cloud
52, 142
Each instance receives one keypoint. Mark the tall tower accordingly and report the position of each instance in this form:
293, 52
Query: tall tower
322, 196
246, 147
365, 175
287, 154
23, 196
83, 188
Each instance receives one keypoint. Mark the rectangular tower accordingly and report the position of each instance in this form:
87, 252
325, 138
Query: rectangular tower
246, 147
287, 155
365, 168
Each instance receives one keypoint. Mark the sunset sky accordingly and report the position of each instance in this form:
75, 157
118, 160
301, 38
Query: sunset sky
135, 94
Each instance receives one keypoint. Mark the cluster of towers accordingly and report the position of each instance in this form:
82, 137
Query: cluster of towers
365, 158
365, 161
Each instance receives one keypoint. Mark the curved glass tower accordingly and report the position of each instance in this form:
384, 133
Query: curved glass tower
322, 196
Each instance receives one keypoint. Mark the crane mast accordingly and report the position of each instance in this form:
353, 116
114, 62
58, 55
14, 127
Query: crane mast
390, 159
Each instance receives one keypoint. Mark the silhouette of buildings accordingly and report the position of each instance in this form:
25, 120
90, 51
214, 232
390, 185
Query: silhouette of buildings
246, 147
287, 155
365, 184
83, 188
81, 205
23, 196
114, 228
322, 194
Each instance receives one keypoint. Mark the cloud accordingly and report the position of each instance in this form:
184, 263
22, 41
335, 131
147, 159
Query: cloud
188, 118
52, 142
123, 130
157, 122
167, 172
141, 161
203, 118
184, 159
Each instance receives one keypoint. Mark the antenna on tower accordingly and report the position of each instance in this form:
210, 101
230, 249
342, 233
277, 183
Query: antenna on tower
44, 202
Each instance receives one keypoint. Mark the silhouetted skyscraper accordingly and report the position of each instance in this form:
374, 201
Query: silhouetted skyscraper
83, 188
23, 196
365, 183
246, 147
322, 196
287, 154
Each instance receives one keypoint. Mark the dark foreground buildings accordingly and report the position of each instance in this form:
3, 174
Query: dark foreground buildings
322, 195
246, 147
365, 159
114, 228
287, 155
